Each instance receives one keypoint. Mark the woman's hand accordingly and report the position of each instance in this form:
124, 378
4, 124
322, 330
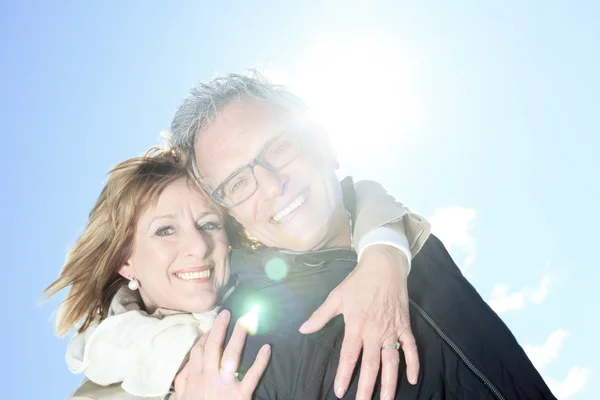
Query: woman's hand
374, 302
208, 375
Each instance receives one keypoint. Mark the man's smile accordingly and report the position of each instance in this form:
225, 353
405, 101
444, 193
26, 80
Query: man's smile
294, 204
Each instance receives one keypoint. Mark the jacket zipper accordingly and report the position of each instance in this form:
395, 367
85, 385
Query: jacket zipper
459, 352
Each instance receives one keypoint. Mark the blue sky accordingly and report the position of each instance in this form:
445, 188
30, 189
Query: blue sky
482, 117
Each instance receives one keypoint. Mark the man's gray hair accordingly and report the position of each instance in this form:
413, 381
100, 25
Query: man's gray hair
207, 99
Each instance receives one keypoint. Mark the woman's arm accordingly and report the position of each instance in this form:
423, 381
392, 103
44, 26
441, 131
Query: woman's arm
210, 372
208, 375
374, 297
376, 208
89, 390
141, 351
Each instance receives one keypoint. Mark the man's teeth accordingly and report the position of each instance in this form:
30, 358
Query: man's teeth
190, 276
298, 201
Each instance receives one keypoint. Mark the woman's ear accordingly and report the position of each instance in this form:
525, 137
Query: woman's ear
126, 271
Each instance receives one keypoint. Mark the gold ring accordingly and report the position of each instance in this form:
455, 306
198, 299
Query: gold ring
395, 346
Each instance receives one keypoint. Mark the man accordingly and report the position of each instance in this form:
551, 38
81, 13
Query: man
255, 152
375, 320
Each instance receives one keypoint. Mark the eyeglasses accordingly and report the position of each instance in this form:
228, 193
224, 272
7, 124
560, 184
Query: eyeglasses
239, 186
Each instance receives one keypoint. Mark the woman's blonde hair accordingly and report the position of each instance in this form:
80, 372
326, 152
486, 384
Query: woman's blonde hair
92, 264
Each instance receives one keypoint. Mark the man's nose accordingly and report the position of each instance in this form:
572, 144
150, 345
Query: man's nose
271, 183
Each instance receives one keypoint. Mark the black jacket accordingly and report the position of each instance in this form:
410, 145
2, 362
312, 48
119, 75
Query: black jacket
465, 350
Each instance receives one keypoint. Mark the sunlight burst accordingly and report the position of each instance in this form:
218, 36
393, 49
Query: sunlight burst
364, 91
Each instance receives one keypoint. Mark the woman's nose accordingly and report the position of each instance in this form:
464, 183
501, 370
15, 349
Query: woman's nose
197, 245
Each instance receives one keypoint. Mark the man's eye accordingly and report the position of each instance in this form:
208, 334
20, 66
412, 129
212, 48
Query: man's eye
239, 184
281, 147
165, 230
209, 226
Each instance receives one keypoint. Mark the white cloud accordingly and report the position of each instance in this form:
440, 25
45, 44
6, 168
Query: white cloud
453, 225
575, 381
539, 294
543, 355
502, 300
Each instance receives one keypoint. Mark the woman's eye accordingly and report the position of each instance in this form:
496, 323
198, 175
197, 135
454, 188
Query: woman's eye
165, 231
209, 226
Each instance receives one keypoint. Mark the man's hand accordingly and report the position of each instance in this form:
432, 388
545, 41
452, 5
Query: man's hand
209, 376
374, 302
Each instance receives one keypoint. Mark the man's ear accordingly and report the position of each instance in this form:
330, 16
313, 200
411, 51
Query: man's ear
324, 147
330, 153
334, 159
126, 271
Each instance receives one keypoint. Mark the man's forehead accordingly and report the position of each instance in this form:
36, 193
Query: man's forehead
252, 117
237, 134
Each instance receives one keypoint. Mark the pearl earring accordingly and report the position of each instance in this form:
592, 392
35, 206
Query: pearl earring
133, 284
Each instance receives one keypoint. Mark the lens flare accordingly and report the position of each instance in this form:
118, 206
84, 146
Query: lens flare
250, 320
276, 269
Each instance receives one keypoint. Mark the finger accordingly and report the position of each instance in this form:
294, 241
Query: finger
214, 342
256, 371
390, 359
322, 315
349, 355
411, 356
233, 350
180, 381
369, 368
195, 364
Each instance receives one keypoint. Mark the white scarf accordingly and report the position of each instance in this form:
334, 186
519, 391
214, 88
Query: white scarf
142, 351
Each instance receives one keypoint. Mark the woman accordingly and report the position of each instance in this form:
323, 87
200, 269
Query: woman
155, 245
151, 222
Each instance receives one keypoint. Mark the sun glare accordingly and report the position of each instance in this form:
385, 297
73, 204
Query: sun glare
250, 320
364, 91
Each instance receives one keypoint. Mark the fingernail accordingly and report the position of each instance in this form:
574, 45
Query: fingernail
268, 349
387, 397
339, 392
224, 314
303, 327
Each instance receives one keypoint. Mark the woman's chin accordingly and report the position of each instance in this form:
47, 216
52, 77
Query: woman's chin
202, 304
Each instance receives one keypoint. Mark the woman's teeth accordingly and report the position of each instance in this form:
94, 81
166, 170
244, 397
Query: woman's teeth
190, 276
298, 201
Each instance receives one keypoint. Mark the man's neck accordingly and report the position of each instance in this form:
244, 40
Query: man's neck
339, 231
